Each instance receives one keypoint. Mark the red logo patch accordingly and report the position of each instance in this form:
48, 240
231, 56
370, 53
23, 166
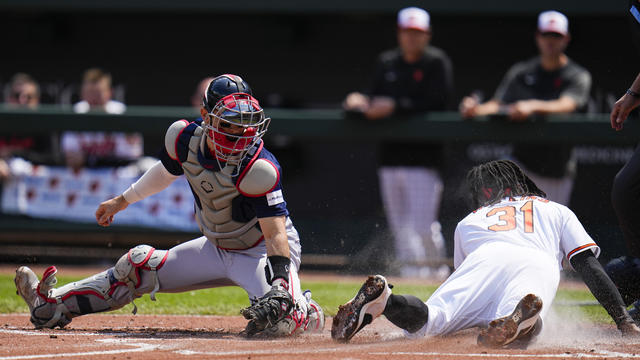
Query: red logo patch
557, 82
418, 75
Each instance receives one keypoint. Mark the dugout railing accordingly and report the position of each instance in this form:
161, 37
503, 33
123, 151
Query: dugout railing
332, 125
336, 236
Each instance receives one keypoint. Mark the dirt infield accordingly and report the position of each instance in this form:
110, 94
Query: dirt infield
214, 337
133, 337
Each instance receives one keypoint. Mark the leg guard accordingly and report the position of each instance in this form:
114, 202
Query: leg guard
133, 275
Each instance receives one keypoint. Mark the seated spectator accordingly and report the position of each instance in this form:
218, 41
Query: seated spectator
95, 149
22, 91
96, 92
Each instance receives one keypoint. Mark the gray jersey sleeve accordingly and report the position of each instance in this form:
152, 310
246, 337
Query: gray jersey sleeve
507, 83
579, 88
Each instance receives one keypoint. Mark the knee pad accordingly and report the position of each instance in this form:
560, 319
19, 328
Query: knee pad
141, 257
625, 274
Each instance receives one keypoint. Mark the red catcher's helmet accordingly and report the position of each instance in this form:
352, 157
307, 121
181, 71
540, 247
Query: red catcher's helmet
237, 122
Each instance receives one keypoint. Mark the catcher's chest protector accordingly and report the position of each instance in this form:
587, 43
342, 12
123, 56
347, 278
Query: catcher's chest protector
216, 191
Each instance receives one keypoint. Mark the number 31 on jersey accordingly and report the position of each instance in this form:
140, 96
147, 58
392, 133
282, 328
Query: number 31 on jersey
507, 217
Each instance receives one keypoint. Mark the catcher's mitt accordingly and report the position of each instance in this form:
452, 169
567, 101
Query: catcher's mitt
268, 310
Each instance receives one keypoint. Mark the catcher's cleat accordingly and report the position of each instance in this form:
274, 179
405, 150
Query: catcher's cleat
315, 316
368, 304
36, 294
523, 324
27, 286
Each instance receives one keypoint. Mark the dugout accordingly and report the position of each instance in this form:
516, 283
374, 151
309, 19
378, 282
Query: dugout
302, 59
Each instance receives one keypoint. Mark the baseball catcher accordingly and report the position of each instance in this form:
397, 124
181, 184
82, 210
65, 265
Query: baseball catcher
240, 209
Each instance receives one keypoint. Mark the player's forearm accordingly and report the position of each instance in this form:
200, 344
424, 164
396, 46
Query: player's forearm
275, 235
601, 286
489, 108
563, 105
154, 180
277, 245
380, 107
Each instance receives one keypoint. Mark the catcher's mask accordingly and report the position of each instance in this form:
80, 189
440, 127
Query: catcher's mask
235, 124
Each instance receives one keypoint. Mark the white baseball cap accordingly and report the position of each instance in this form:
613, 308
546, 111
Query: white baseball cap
413, 18
553, 21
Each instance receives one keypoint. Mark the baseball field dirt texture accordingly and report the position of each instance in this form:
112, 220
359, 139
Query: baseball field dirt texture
117, 336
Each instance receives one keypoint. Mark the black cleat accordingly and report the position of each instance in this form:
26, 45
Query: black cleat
523, 324
368, 304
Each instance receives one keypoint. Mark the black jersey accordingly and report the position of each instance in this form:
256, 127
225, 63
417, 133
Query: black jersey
528, 80
426, 85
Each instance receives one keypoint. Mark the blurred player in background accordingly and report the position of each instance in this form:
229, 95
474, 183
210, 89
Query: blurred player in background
625, 271
249, 239
546, 84
413, 78
508, 257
